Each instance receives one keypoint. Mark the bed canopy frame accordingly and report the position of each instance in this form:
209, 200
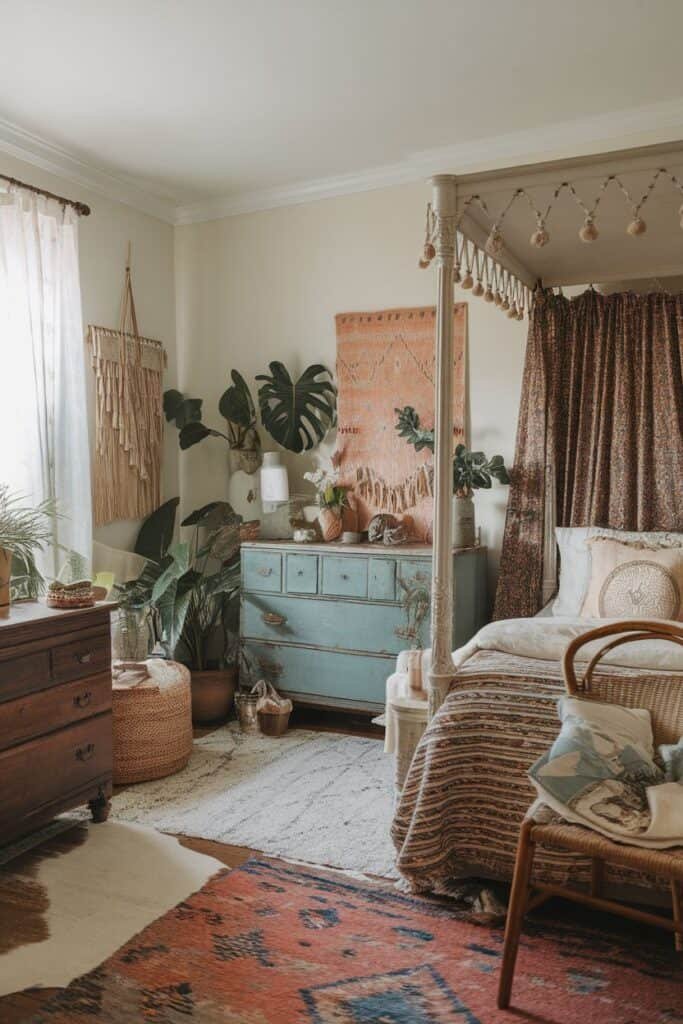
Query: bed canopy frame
499, 236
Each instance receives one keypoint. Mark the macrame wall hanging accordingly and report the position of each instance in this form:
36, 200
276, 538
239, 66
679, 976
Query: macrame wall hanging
128, 416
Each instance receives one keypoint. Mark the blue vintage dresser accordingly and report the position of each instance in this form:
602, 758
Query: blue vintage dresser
324, 622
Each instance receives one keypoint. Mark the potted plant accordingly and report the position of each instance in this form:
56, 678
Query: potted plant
471, 471
332, 499
24, 531
192, 592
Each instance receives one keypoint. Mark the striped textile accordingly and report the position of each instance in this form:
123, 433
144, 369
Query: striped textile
467, 789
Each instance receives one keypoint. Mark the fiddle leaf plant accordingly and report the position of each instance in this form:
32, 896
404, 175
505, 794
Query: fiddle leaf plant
471, 470
297, 414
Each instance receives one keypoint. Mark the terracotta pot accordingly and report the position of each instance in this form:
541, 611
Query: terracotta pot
213, 693
331, 524
5, 572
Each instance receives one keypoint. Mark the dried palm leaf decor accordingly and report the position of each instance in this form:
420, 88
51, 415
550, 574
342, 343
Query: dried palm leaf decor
128, 417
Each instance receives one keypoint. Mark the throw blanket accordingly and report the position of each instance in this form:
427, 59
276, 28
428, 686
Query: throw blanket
467, 789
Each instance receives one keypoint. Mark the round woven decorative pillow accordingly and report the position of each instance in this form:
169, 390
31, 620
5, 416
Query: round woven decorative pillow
152, 719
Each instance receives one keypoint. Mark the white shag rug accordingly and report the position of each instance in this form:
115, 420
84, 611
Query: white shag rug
319, 797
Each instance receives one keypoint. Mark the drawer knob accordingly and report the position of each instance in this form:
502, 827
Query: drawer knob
265, 572
300, 572
345, 576
85, 658
82, 700
85, 753
273, 619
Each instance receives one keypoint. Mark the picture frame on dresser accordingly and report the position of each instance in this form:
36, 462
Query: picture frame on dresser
55, 714
325, 622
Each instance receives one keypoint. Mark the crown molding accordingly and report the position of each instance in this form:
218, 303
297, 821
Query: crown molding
23, 145
655, 124
650, 125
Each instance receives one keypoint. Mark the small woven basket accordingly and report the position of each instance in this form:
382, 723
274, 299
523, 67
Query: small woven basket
274, 723
152, 723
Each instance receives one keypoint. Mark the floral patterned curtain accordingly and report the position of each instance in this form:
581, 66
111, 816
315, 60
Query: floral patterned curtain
602, 402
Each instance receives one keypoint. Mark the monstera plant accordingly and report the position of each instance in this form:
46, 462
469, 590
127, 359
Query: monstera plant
297, 414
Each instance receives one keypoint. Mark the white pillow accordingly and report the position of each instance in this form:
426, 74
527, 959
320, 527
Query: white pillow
575, 559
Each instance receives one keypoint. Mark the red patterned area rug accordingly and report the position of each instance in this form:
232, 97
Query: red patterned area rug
275, 943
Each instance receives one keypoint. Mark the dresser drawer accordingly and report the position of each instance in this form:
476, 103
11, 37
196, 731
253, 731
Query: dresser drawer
25, 673
412, 572
344, 576
337, 677
382, 579
38, 713
84, 657
301, 575
46, 770
261, 570
346, 626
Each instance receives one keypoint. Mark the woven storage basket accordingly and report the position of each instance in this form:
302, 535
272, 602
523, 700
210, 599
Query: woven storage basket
152, 720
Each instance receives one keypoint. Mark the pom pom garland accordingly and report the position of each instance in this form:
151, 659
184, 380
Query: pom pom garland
637, 227
488, 295
588, 232
540, 238
467, 280
478, 289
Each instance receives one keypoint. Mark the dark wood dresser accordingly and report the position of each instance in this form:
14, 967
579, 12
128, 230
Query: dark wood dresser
55, 714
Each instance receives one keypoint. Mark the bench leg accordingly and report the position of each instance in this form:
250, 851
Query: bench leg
678, 912
519, 896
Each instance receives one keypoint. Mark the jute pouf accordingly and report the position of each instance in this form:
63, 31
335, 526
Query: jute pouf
152, 719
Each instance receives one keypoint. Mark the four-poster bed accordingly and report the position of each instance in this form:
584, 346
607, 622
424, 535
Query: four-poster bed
497, 698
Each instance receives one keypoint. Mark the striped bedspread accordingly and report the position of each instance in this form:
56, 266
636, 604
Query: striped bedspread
467, 789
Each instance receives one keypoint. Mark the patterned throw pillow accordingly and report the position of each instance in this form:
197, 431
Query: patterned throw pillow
599, 768
633, 581
672, 758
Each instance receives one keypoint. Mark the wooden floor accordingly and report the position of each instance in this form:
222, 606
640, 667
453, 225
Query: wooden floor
22, 902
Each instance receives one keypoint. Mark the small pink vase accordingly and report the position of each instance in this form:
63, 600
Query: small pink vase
331, 523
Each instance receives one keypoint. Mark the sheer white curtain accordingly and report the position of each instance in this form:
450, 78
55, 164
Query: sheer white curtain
43, 418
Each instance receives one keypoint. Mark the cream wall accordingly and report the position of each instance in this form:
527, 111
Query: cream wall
103, 237
266, 286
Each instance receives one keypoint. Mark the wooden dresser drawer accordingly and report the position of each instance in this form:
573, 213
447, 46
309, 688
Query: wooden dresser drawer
83, 657
345, 577
45, 770
24, 673
262, 570
51, 709
337, 676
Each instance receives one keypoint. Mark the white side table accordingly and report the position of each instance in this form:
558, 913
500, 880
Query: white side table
409, 721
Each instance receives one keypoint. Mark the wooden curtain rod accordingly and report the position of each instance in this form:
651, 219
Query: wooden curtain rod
81, 209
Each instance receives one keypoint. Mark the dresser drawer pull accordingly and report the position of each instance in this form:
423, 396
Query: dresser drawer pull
265, 572
84, 659
85, 753
300, 572
83, 699
273, 619
345, 576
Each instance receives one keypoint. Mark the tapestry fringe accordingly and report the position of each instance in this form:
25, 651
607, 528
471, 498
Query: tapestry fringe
128, 424
395, 498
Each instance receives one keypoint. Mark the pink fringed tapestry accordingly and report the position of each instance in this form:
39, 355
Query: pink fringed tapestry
385, 361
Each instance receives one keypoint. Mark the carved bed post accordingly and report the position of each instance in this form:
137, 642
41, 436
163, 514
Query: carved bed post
441, 672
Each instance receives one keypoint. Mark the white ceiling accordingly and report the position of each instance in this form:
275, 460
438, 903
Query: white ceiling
197, 108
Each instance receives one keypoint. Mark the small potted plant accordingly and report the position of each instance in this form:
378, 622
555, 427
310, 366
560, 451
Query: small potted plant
471, 471
332, 499
24, 531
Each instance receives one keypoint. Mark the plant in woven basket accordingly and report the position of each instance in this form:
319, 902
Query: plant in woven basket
25, 530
